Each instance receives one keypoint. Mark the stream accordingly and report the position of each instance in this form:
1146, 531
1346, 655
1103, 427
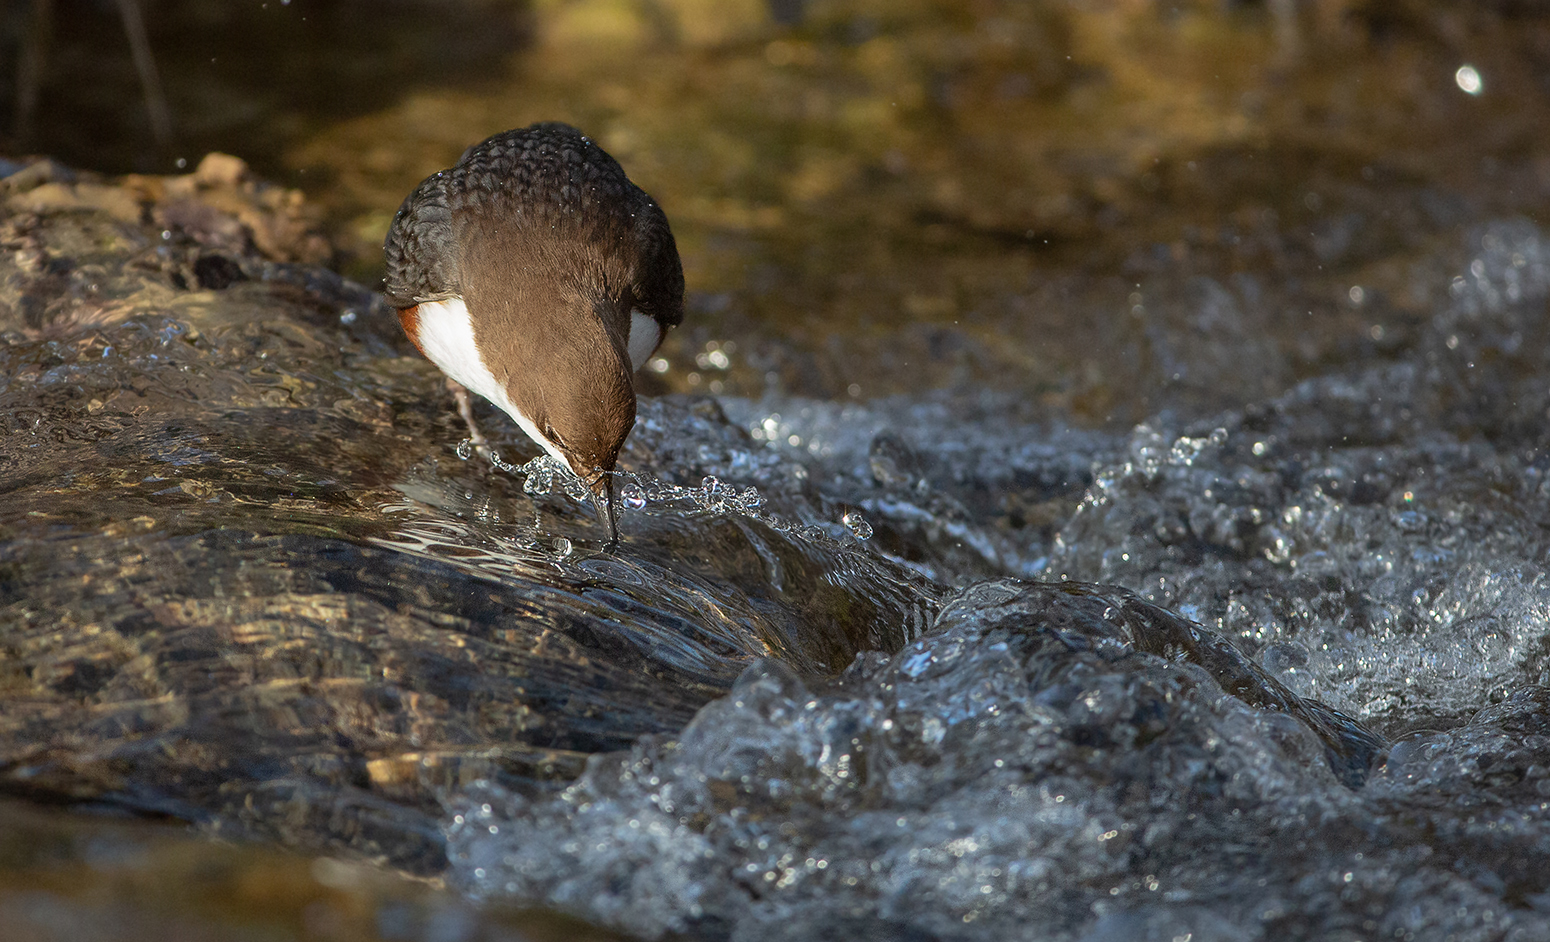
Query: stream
1195, 595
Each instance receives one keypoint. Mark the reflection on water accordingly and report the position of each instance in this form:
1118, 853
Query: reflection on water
1231, 310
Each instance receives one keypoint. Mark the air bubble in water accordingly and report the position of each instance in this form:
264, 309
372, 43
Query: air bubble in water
633, 496
858, 526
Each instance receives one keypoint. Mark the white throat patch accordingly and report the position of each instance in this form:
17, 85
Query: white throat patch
644, 337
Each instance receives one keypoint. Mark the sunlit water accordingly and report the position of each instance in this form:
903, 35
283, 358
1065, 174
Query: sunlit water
1040, 764
916, 667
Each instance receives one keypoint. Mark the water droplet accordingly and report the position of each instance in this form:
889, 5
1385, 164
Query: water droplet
633, 496
539, 479
858, 526
465, 449
713, 495
1467, 78
562, 546
574, 486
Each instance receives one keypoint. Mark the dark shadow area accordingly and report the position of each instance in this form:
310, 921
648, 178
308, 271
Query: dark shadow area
246, 77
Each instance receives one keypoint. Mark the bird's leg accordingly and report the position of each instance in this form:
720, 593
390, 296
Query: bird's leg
465, 408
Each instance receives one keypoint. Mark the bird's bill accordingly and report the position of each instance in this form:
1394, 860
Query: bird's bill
602, 487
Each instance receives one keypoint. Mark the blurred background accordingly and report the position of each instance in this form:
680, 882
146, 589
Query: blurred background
881, 196
1070, 212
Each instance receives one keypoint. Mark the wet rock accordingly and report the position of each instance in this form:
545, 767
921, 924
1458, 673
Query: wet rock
244, 580
116, 202
87, 252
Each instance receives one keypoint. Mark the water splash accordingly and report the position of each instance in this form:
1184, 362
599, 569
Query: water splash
714, 496
1186, 450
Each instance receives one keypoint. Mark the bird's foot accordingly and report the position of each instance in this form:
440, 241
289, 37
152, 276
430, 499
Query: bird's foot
465, 408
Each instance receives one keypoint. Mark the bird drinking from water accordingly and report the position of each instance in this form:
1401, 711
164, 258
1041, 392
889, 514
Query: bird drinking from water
535, 274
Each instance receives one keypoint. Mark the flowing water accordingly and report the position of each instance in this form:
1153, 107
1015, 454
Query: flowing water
1199, 594
1056, 761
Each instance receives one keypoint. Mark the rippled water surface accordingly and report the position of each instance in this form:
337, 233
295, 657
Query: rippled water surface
1099, 493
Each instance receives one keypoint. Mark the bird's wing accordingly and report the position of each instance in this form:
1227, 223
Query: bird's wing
420, 252
658, 279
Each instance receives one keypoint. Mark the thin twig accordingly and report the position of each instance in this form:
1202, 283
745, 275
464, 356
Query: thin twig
145, 64
29, 70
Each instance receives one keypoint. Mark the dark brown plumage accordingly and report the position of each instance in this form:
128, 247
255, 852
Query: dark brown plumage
537, 275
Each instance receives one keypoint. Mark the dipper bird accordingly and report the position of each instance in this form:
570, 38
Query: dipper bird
535, 274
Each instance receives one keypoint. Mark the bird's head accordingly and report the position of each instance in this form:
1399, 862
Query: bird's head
584, 412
